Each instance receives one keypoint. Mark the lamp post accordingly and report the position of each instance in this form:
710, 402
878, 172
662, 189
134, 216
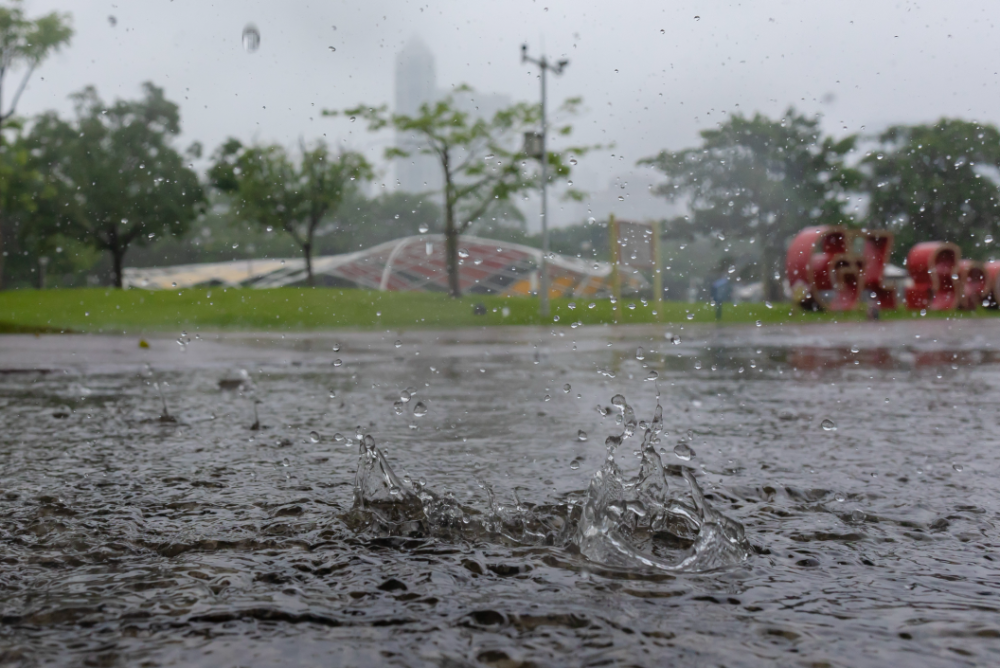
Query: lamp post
544, 65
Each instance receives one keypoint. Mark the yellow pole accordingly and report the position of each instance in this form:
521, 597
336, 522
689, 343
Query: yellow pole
657, 272
616, 279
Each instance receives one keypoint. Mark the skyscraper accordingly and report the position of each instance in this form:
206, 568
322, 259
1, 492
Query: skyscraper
415, 85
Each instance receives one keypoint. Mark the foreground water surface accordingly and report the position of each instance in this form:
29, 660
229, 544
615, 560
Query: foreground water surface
199, 502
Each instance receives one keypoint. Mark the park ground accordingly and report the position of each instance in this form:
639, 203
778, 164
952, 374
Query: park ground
102, 310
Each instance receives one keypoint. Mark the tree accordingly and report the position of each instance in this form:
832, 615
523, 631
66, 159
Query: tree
761, 179
119, 180
269, 189
480, 163
24, 44
936, 182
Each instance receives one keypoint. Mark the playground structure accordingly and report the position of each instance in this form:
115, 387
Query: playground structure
834, 268
409, 264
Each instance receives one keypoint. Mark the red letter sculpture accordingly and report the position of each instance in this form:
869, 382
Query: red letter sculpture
933, 266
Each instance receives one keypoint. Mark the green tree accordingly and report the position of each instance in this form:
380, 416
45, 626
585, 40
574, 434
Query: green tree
761, 179
119, 180
481, 164
270, 190
24, 44
936, 182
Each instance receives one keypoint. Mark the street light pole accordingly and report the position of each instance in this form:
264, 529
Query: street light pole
544, 65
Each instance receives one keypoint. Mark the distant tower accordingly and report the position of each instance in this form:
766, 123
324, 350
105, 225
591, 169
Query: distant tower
415, 85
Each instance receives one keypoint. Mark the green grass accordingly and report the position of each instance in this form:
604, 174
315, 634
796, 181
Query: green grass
292, 309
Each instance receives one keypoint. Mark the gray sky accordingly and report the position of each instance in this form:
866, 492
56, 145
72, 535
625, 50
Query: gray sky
651, 76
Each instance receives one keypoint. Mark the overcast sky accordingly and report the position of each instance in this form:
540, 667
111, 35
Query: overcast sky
651, 76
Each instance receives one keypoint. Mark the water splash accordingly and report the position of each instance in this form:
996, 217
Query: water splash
626, 522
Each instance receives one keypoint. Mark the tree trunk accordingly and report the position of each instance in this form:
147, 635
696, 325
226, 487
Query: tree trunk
307, 251
117, 258
1, 246
769, 263
451, 251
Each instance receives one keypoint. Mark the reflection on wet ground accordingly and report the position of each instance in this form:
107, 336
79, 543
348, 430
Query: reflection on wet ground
144, 521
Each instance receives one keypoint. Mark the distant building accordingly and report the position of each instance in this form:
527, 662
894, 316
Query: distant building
416, 84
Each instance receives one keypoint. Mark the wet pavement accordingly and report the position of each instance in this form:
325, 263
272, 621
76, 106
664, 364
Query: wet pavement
144, 521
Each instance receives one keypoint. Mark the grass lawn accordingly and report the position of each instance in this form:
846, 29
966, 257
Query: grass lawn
213, 309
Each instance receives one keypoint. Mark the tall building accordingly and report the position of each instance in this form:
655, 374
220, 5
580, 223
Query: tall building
416, 84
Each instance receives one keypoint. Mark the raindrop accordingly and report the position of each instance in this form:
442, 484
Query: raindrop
567, 388
640, 354
337, 362
988, 239
697, 18
398, 344
462, 253
828, 425
336, 347
333, 48
581, 435
397, 408
405, 396
251, 38
338, 437
690, 316
575, 464
420, 409
314, 436
112, 21
621, 198
957, 467
652, 375
683, 451
591, 305
547, 398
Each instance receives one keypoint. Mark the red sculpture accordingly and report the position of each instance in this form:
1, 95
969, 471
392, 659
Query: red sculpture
933, 266
991, 293
972, 278
825, 271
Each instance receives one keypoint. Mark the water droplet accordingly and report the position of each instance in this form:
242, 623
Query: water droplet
398, 344
405, 396
423, 228
397, 408
697, 18
839, 497
690, 316
251, 38
828, 425
621, 198
640, 354
683, 451
112, 21
988, 238
284, 462
759, 323
337, 362
314, 436
333, 48
591, 305
462, 253
581, 435
420, 409
336, 347
575, 464
338, 437
652, 375
547, 398
567, 387
958, 467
